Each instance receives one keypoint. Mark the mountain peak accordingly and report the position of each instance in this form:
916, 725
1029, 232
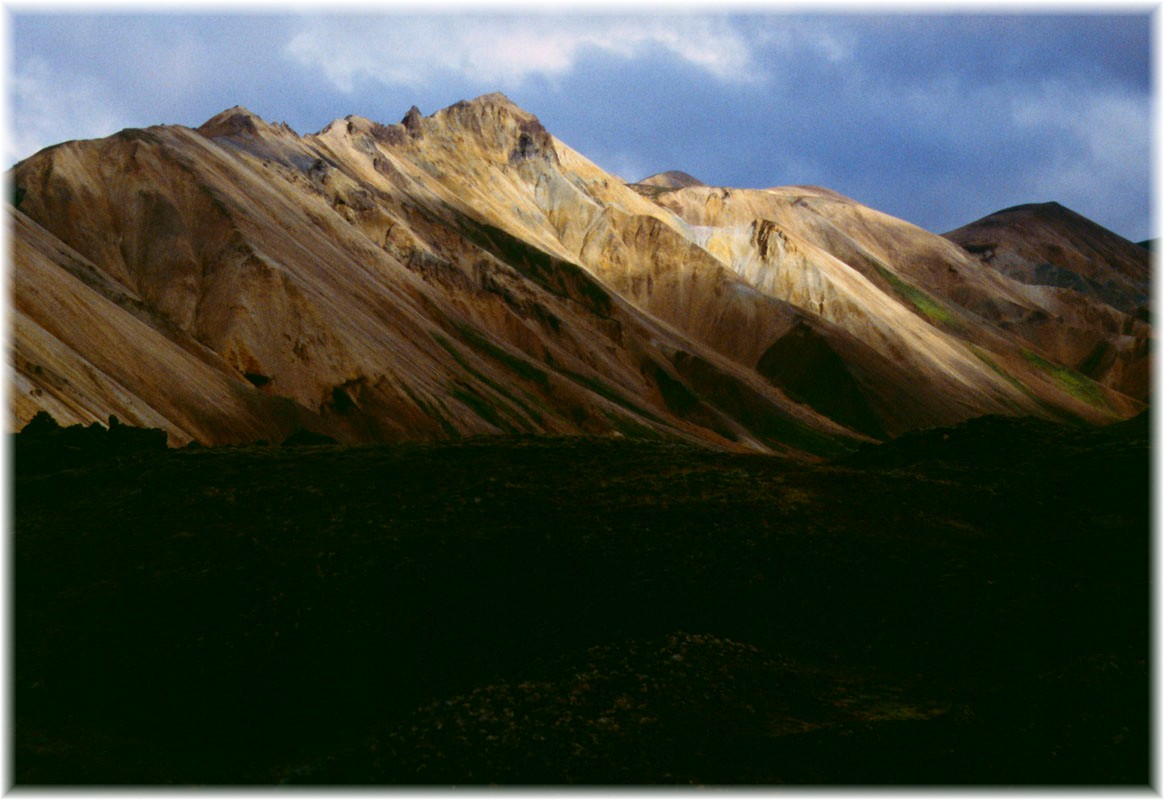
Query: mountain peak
495, 99
1055, 215
499, 124
1048, 208
671, 179
238, 120
495, 121
411, 121
1050, 244
493, 105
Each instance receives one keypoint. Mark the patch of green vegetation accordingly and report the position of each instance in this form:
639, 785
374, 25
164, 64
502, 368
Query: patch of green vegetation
1078, 386
981, 355
1053, 411
933, 309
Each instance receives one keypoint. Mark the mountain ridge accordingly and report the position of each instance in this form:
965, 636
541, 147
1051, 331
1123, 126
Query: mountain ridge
466, 272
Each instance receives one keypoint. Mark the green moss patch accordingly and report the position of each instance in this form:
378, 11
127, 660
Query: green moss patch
1078, 386
933, 309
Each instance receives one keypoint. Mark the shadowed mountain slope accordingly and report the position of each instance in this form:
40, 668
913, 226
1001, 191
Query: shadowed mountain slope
467, 273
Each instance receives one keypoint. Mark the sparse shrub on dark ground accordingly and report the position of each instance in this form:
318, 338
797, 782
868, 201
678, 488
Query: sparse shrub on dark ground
509, 611
45, 446
306, 438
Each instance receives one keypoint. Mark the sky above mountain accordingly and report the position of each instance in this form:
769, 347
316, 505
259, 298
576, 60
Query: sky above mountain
938, 119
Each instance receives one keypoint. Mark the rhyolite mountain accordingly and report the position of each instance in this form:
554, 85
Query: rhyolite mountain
467, 273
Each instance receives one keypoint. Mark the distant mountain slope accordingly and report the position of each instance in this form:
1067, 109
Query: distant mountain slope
1013, 327
467, 273
666, 181
1047, 245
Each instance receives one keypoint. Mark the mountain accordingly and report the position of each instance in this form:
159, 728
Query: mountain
1048, 246
617, 590
1045, 244
467, 273
660, 182
672, 179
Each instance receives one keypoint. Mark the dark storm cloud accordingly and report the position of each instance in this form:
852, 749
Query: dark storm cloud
958, 116
938, 119
990, 48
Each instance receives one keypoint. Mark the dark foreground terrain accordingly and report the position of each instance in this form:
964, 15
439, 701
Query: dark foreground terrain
967, 606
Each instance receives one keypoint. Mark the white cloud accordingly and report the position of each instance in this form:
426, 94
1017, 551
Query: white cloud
1104, 165
1083, 144
50, 107
507, 51
1113, 127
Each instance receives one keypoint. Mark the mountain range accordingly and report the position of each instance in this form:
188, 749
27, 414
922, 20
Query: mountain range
467, 273
562, 562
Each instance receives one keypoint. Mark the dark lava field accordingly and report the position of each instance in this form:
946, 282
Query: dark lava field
967, 606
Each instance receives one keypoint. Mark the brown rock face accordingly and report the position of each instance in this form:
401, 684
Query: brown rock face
467, 273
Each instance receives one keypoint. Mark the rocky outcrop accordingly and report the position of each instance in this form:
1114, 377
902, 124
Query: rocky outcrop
411, 121
44, 446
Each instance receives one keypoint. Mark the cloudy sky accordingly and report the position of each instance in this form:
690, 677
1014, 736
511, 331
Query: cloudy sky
938, 119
